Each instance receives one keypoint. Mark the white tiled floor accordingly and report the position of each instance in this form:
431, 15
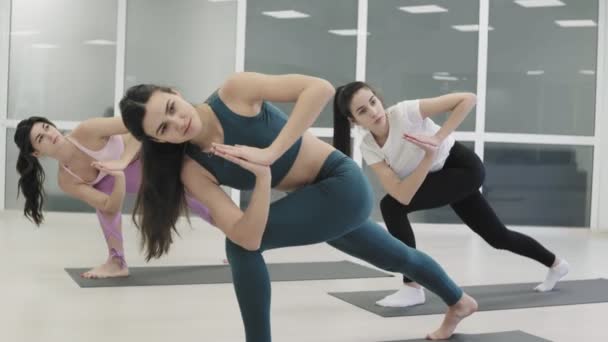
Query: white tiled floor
41, 303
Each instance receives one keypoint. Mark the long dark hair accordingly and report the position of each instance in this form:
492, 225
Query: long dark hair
342, 99
161, 196
31, 173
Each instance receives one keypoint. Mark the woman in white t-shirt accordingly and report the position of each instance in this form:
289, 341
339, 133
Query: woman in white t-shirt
421, 166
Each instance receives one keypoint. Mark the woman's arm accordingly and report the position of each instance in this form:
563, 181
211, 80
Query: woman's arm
109, 204
459, 104
310, 95
101, 127
403, 190
243, 228
132, 147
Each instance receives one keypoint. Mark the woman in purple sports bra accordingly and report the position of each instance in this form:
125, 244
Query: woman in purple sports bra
98, 164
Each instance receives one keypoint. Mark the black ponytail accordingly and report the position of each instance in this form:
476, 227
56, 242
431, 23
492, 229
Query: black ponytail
342, 100
31, 173
341, 125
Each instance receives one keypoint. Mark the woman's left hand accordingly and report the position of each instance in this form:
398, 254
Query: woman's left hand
430, 140
114, 171
262, 156
110, 165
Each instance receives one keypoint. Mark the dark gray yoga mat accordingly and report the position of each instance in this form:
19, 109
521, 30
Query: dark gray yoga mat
220, 274
490, 297
506, 336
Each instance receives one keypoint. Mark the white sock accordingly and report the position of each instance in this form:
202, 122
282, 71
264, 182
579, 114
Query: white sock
406, 296
554, 275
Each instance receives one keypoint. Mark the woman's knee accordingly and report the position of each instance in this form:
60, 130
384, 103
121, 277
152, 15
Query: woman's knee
235, 252
473, 164
477, 169
355, 198
480, 174
499, 241
389, 206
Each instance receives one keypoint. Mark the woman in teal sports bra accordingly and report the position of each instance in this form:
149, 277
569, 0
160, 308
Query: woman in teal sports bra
239, 139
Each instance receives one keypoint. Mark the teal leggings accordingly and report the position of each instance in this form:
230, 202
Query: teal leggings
334, 209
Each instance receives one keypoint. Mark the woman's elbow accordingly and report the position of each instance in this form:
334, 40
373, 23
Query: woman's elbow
250, 244
246, 241
110, 211
405, 200
253, 246
326, 87
471, 98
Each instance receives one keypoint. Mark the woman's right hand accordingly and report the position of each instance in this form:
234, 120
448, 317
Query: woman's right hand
117, 165
110, 171
258, 170
429, 144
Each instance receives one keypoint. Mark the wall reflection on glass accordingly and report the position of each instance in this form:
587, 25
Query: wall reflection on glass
541, 68
418, 49
540, 185
186, 44
62, 63
313, 37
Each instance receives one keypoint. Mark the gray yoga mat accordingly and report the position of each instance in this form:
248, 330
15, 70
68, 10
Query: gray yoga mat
506, 336
220, 274
490, 297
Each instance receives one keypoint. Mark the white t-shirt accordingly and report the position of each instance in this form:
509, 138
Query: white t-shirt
401, 155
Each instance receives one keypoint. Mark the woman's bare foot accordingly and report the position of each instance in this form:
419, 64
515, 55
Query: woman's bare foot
466, 306
113, 268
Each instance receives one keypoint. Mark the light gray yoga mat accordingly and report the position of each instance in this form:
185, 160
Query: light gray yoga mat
506, 336
490, 297
220, 274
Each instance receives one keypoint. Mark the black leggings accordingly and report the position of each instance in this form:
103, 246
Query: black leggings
457, 184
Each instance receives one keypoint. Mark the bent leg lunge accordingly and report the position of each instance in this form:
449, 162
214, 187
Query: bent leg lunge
111, 226
373, 244
115, 265
476, 212
252, 286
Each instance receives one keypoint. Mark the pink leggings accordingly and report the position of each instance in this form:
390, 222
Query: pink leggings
111, 224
